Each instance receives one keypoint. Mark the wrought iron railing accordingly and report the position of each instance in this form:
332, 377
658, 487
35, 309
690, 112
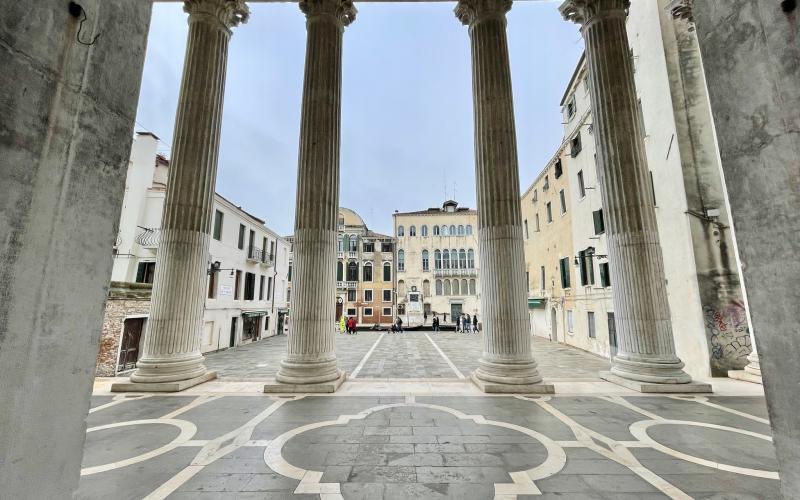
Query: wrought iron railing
148, 237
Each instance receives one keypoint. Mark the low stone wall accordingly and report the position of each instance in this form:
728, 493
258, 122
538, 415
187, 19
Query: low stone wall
124, 300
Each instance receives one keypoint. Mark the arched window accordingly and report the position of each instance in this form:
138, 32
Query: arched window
401, 288
454, 258
353, 243
400, 231
447, 287
446, 260
424, 230
387, 271
345, 242
341, 245
461, 230
339, 271
436, 230
445, 232
401, 260
456, 288
472, 290
425, 263
464, 287
426, 288
412, 231
437, 259
352, 271
470, 259
462, 259
452, 230
439, 287
368, 271
469, 229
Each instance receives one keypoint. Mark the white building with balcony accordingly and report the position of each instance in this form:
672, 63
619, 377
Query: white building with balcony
437, 269
247, 296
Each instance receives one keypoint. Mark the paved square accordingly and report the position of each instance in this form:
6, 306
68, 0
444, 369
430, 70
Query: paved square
405, 425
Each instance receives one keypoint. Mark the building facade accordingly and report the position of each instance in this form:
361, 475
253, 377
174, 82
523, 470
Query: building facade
246, 294
706, 304
364, 272
437, 264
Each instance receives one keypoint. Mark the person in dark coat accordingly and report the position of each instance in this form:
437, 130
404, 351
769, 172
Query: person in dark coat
475, 323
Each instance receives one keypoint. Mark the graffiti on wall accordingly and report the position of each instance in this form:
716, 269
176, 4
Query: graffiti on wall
730, 338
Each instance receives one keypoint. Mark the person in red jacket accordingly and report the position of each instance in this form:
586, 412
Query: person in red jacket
351, 325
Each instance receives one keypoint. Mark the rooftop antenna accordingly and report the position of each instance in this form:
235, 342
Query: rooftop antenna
454, 190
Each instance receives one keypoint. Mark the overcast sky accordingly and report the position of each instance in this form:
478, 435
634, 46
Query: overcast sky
406, 105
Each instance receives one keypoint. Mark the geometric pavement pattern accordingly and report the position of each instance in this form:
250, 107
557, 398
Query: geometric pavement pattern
219, 446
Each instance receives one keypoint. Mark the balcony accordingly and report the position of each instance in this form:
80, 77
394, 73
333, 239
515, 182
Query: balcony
340, 255
255, 254
346, 285
148, 237
352, 255
450, 273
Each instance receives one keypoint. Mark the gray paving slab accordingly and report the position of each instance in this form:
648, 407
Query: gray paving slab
413, 451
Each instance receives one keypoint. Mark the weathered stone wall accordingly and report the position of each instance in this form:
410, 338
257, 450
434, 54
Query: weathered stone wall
751, 53
67, 115
124, 300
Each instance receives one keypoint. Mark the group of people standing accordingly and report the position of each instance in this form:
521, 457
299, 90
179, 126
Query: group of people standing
348, 325
464, 323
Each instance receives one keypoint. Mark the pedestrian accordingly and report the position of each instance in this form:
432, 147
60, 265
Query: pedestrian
424, 318
436, 323
467, 323
475, 323
351, 325
400, 324
464, 324
342, 325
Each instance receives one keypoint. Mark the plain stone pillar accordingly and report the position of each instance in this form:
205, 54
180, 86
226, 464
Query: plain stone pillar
171, 359
310, 361
507, 364
646, 358
751, 56
66, 124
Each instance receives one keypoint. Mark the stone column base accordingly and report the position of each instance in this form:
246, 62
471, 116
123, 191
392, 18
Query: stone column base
499, 388
746, 376
176, 386
315, 388
656, 388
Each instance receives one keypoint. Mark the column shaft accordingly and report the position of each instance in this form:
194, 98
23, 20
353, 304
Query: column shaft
310, 356
171, 349
646, 346
507, 358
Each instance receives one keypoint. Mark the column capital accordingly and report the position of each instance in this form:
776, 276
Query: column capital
681, 9
471, 11
227, 13
342, 10
585, 12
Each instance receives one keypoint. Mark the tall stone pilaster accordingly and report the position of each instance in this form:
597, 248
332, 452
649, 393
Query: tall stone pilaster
310, 361
646, 358
171, 358
507, 364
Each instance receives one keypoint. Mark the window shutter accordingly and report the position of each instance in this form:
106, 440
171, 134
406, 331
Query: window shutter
599, 223
140, 272
605, 278
582, 264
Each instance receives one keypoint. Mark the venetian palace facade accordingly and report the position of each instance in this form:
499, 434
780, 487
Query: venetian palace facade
364, 272
437, 263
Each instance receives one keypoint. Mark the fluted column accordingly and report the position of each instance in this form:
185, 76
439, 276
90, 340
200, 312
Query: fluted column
646, 346
310, 356
507, 364
171, 350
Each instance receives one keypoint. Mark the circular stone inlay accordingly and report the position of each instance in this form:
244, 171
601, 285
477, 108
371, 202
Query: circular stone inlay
639, 430
186, 431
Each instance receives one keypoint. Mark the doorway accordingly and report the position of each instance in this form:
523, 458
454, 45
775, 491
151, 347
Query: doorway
612, 335
129, 349
553, 325
233, 332
455, 311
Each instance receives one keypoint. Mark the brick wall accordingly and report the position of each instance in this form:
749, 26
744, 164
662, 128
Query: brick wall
124, 300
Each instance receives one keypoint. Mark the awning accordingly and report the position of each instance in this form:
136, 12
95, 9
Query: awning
534, 303
253, 314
